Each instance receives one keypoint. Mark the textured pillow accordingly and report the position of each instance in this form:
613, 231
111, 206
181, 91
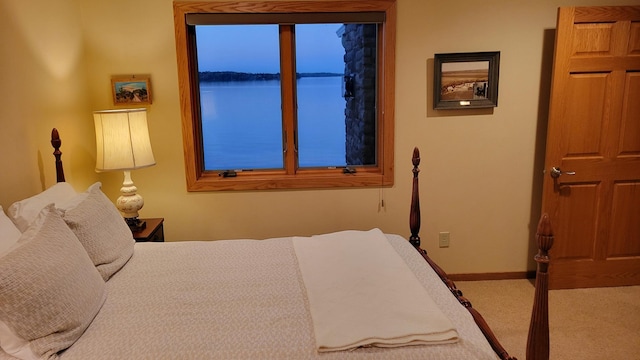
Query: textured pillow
23, 212
9, 233
101, 230
49, 290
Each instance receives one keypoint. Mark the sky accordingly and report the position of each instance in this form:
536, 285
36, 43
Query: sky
254, 48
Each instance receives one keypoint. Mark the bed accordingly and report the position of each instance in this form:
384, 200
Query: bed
75, 285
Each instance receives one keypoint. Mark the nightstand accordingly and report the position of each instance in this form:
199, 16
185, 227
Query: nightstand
154, 231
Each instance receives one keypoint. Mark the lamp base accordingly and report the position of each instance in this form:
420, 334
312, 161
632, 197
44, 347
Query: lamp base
136, 224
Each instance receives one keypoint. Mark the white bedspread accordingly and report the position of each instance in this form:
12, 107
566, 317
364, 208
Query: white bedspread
361, 293
238, 299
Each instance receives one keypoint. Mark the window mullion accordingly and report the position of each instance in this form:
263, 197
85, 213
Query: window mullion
288, 88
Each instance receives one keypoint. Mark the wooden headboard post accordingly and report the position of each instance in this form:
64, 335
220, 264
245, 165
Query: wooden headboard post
56, 143
414, 216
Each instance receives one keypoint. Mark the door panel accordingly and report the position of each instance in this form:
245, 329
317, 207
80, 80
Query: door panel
625, 231
577, 208
592, 39
630, 130
586, 101
634, 39
593, 136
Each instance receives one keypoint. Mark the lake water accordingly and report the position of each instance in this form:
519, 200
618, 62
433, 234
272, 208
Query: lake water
242, 124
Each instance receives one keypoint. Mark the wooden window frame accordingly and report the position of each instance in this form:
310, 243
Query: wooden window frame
199, 179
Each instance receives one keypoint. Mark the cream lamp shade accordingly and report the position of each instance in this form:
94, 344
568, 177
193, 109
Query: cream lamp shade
122, 143
122, 140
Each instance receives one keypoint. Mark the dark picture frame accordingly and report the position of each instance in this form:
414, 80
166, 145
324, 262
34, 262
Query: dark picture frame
131, 90
466, 80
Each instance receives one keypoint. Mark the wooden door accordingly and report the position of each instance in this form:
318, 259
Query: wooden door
593, 141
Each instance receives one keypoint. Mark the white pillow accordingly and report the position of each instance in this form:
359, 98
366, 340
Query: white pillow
49, 290
100, 228
9, 233
23, 212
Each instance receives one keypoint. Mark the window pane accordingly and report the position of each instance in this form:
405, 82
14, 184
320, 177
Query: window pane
336, 90
321, 121
240, 97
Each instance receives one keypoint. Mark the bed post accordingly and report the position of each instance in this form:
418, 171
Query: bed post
414, 225
414, 216
56, 143
538, 339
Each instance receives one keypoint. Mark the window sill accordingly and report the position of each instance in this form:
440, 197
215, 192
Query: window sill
304, 179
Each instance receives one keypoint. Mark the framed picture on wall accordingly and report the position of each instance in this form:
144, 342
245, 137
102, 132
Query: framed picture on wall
466, 80
131, 90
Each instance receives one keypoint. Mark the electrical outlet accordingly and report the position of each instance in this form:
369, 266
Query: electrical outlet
444, 238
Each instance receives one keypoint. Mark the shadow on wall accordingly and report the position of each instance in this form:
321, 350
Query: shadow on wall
544, 95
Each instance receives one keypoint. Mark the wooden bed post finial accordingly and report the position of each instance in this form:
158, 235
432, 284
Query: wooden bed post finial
414, 216
56, 143
538, 339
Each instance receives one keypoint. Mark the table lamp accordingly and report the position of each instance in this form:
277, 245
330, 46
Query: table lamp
122, 143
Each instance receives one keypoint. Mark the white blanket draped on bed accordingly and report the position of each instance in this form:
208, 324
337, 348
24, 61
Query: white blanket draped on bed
361, 293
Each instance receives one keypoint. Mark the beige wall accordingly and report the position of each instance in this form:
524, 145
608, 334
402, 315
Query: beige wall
481, 170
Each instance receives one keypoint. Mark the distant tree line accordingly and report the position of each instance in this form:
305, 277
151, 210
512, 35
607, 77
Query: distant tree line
220, 76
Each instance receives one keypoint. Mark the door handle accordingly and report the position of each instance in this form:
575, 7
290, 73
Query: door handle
556, 172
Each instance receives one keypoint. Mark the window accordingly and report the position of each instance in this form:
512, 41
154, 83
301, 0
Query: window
259, 111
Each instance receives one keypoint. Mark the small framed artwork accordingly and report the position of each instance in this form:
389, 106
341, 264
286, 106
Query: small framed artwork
131, 90
466, 80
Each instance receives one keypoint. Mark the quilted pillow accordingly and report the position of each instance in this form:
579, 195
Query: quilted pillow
101, 230
49, 290
9, 233
23, 212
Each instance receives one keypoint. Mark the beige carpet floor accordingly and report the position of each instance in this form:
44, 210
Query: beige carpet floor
585, 324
